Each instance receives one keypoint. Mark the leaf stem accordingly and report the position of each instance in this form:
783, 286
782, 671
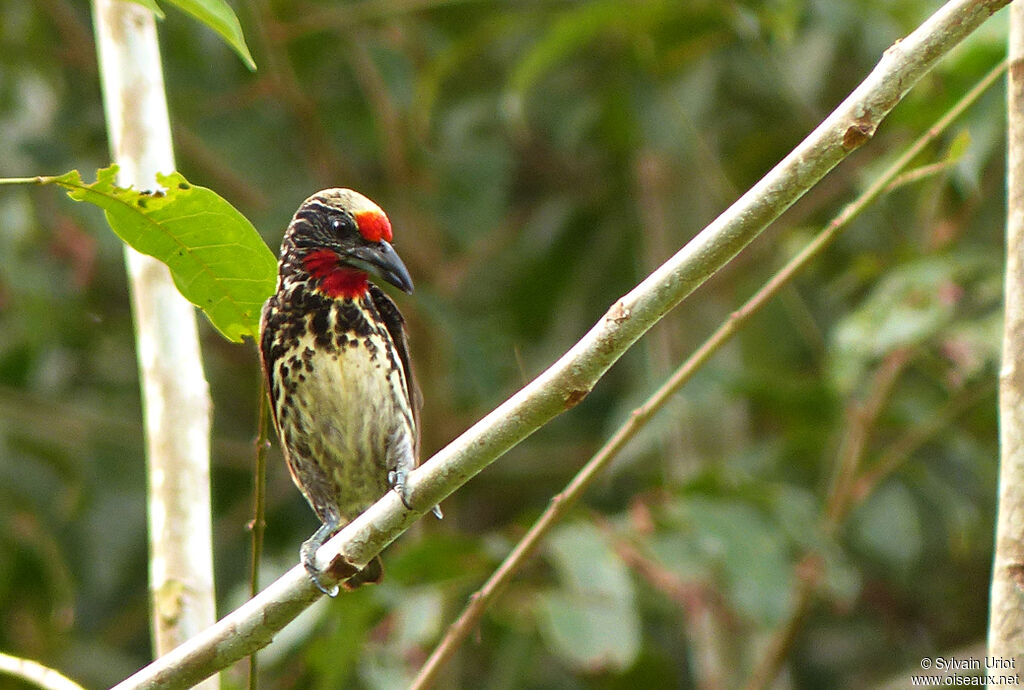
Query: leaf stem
38, 179
258, 524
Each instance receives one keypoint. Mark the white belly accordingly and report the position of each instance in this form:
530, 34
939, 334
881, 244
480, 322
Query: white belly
348, 408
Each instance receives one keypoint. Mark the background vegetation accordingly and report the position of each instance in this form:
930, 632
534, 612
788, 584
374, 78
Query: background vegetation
537, 159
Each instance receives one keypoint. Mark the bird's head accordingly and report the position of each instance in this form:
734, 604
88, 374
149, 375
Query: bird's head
339, 237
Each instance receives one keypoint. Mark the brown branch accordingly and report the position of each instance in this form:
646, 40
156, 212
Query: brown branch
809, 573
861, 418
258, 524
902, 448
701, 604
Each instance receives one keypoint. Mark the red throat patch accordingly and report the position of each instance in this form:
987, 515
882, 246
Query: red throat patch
374, 226
332, 278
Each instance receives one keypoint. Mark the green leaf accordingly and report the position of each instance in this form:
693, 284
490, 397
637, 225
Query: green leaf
217, 259
911, 305
592, 620
334, 641
418, 616
745, 548
219, 16
796, 511
960, 145
889, 527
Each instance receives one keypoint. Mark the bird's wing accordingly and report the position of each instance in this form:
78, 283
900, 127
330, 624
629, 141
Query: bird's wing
266, 344
395, 324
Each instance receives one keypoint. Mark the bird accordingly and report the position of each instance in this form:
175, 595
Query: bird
335, 356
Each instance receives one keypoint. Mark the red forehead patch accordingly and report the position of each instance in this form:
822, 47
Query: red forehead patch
374, 226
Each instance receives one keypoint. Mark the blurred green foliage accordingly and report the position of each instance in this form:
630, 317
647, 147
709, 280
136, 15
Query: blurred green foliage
537, 159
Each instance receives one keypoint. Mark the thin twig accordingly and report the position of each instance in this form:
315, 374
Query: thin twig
861, 418
701, 604
259, 496
650, 179
918, 174
38, 179
903, 447
315, 142
809, 573
386, 118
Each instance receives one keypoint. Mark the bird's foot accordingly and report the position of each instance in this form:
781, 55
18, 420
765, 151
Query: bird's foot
308, 555
397, 481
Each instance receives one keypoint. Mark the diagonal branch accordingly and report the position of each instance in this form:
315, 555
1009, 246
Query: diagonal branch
571, 378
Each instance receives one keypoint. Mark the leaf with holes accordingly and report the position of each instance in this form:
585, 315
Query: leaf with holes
217, 259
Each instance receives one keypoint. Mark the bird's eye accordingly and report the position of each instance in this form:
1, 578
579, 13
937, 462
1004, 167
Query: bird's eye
336, 223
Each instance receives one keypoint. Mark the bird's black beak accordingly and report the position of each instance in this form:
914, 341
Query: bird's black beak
381, 260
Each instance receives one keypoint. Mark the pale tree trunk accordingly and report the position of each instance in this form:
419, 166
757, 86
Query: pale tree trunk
1006, 618
175, 394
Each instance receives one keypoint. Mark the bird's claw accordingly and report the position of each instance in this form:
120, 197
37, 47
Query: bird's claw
397, 481
314, 575
307, 554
